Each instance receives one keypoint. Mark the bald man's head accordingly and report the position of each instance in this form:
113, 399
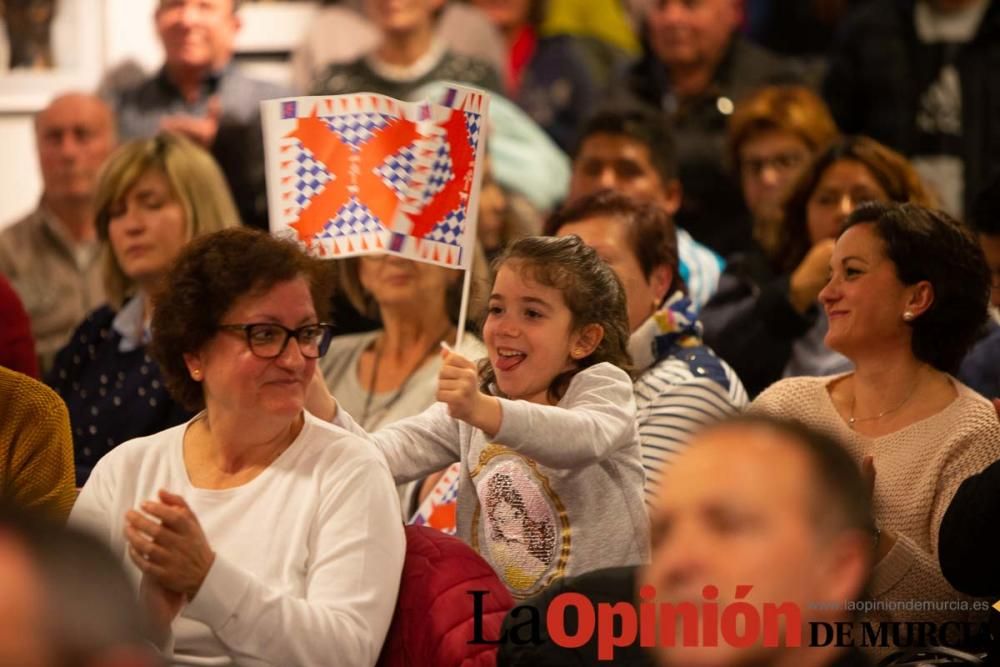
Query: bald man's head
75, 134
762, 503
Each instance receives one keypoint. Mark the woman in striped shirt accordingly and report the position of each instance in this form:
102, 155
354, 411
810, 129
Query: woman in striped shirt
680, 384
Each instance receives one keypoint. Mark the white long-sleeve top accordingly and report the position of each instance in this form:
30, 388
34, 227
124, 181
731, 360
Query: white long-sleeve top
557, 492
308, 553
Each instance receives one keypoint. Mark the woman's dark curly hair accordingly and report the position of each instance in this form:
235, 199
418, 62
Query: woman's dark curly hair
591, 290
890, 170
211, 274
925, 244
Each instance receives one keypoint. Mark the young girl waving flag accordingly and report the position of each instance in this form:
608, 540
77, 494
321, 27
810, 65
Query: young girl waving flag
544, 428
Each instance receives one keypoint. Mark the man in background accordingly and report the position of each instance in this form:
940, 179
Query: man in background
695, 69
920, 76
631, 150
201, 94
51, 256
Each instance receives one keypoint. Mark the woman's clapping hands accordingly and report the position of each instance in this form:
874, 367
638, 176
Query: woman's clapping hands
166, 541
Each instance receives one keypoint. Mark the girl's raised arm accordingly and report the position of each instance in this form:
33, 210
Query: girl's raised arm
595, 418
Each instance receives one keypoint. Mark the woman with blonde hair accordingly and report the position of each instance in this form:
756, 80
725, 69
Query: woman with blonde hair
154, 195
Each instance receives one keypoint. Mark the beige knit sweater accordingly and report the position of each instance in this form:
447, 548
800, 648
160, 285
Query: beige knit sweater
918, 469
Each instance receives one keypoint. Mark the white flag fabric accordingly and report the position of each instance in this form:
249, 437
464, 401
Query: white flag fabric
363, 173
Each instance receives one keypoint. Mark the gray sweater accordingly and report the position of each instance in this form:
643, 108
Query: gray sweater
557, 492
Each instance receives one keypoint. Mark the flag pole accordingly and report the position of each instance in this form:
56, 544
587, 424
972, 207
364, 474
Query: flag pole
473, 220
466, 288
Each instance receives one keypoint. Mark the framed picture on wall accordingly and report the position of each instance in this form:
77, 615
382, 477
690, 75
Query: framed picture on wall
271, 31
46, 47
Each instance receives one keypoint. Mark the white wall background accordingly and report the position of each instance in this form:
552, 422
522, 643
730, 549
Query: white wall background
105, 33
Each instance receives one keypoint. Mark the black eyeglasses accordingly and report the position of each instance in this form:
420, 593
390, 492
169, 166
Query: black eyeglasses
268, 340
783, 162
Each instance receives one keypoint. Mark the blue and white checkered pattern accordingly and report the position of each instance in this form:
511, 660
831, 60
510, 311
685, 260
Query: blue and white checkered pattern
472, 122
355, 129
440, 173
311, 176
397, 170
352, 218
451, 495
450, 230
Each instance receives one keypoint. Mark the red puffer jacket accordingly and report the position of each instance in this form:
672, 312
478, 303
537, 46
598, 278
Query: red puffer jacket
434, 621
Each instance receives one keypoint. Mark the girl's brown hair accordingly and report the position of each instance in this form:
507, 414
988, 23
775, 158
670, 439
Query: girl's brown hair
591, 290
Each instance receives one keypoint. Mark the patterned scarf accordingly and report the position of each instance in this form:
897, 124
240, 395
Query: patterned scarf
672, 327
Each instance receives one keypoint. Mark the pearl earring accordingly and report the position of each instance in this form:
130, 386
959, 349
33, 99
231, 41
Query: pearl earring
908, 316
196, 374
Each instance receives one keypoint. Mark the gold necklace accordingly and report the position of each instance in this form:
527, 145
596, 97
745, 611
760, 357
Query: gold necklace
852, 420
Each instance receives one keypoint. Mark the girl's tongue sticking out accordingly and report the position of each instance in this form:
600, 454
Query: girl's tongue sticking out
508, 359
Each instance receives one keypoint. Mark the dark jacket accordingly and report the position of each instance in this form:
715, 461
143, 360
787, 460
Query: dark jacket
750, 321
712, 209
879, 69
980, 369
559, 88
112, 395
968, 540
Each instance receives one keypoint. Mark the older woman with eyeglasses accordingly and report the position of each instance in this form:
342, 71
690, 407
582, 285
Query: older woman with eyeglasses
260, 534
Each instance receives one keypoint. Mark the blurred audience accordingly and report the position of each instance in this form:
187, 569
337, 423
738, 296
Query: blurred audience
65, 601
259, 533
804, 30
51, 256
765, 319
382, 376
680, 384
17, 347
504, 217
757, 502
551, 76
907, 293
920, 76
631, 150
410, 54
153, 197
340, 33
981, 367
200, 93
696, 67
772, 137
606, 21
36, 449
